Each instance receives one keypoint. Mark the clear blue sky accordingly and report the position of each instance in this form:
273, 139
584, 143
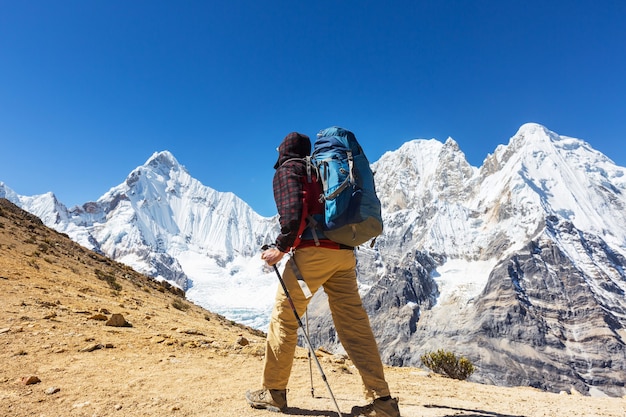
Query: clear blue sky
90, 89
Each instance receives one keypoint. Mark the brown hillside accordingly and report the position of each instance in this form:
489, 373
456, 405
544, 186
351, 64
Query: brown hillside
174, 358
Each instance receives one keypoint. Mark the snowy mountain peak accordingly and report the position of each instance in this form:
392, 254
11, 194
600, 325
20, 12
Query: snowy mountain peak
537, 142
536, 175
8, 193
554, 175
534, 128
451, 143
163, 160
161, 167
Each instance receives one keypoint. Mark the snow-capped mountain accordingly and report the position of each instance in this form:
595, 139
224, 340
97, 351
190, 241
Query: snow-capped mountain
166, 224
518, 265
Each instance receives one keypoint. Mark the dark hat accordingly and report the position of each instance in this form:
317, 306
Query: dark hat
294, 145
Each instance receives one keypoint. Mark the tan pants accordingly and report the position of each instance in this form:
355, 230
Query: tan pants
335, 271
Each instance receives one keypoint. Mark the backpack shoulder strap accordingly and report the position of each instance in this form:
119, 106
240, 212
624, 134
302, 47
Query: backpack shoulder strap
312, 174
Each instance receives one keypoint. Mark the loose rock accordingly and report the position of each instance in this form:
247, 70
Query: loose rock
30, 380
118, 320
91, 348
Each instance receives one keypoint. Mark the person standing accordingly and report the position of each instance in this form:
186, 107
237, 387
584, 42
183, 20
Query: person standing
329, 265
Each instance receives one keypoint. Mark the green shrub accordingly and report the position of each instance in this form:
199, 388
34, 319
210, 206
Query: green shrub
180, 305
447, 363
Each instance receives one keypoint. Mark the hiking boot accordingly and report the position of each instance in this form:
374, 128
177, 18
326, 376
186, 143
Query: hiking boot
379, 408
269, 399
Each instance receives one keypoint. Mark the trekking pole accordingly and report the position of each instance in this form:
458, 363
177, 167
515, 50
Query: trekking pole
306, 320
306, 337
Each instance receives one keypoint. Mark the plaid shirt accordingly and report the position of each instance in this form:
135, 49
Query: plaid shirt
287, 185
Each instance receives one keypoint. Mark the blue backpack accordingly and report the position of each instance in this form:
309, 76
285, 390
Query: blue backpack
352, 209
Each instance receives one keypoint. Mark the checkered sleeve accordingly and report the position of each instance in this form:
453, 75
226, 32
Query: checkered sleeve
287, 186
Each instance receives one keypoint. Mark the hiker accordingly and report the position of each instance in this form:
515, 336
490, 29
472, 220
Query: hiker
329, 265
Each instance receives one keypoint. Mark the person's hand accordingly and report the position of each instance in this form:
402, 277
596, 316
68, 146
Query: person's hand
272, 256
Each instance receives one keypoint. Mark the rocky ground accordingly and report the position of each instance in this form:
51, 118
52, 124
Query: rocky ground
81, 335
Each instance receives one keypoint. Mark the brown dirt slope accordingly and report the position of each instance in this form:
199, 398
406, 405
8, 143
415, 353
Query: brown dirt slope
61, 355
